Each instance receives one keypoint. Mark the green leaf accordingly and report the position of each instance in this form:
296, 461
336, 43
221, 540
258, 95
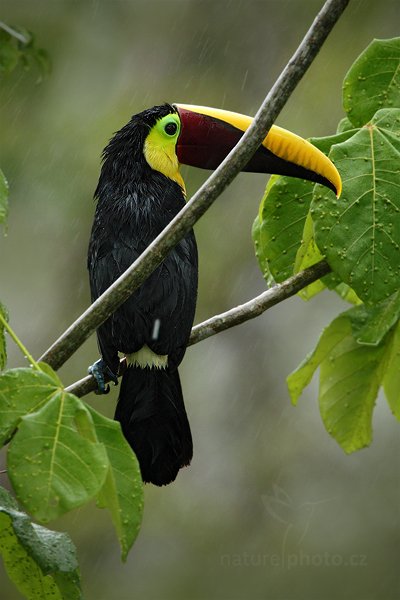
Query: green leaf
281, 233
55, 462
350, 377
263, 263
41, 563
373, 81
344, 125
122, 492
3, 344
360, 233
18, 46
325, 143
282, 214
347, 293
370, 324
21, 568
6, 500
3, 198
22, 391
392, 375
331, 337
47, 369
9, 53
307, 255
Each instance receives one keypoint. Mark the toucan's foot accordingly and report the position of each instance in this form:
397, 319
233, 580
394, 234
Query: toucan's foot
100, 372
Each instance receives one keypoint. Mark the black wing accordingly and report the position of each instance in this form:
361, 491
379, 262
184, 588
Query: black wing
161, 312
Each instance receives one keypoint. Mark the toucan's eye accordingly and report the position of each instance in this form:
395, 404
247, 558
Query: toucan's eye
171, 128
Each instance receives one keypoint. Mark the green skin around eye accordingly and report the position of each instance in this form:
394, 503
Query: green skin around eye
159, 149
162, 124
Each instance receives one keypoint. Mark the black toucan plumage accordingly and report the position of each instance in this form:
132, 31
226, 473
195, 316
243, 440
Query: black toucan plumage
134, 204
140, 191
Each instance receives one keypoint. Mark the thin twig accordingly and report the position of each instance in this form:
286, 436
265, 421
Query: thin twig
259, 304
240, 314
138, 272
16, 34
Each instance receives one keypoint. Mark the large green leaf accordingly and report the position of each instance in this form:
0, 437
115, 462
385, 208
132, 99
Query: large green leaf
344, 125
307, 255
360, 233
350, 377
349, 382
22, 391
122, 492
48, 370
373, 81
391, 382
325, 143
64, 453
41, 563
55, 460
308, 252
3, 198
282, 234
370, 324
282, 214
330, 338
259, 252
347, 293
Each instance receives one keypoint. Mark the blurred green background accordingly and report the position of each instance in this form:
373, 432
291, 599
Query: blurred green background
270, 508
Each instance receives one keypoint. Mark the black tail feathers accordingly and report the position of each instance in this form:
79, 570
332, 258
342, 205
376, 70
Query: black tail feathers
153, 419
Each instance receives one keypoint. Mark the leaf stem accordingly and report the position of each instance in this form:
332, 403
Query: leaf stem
18, 342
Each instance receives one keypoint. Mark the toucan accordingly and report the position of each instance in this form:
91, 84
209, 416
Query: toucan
140, 190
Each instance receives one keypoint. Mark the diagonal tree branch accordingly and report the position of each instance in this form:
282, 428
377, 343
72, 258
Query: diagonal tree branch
255, 307
240, 314
123, 287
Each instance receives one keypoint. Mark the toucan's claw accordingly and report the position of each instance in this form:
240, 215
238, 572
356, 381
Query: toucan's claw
100, 370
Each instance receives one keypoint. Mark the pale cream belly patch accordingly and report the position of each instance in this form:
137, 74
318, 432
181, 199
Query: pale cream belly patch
147, 358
